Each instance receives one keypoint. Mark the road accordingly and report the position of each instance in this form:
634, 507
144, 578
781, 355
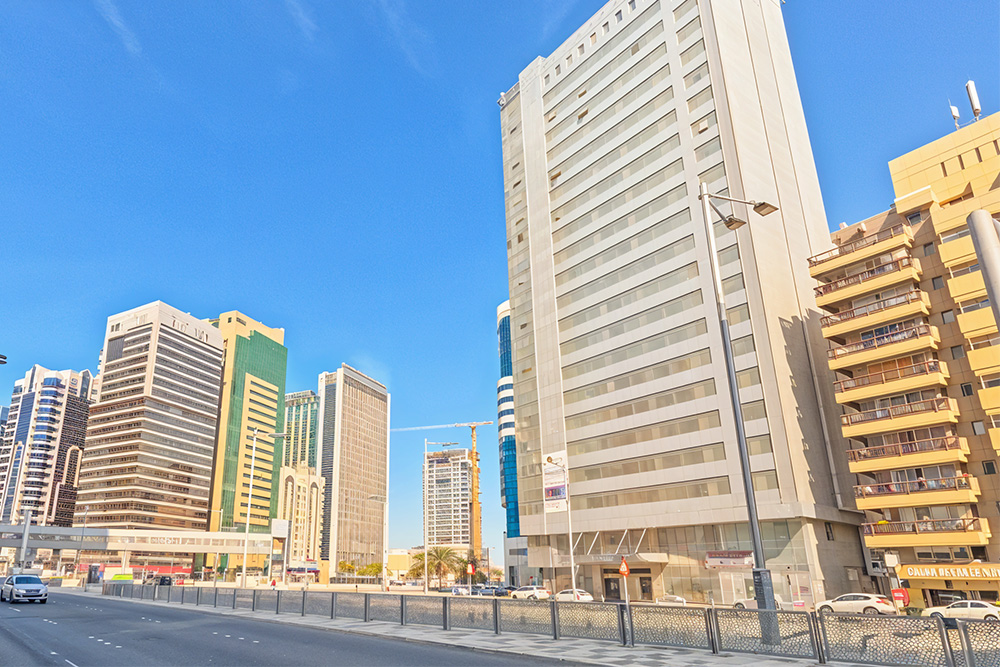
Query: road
84, 631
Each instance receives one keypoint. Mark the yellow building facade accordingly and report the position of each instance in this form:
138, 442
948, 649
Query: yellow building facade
916, 350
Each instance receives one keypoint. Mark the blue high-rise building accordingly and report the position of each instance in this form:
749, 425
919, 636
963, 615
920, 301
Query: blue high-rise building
505, 423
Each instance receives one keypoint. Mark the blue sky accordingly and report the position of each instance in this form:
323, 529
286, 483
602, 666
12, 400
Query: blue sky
350, 153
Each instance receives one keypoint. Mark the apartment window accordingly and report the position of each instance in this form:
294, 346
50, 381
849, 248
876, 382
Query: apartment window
967, 389
929, 249
569, 60
631, 4
948, 316
618, 16
979, 428
937, 282
957, 352
558, 70
606, 28
913, 218
593, 38
546, 79
989, 468
829, 530
579, 50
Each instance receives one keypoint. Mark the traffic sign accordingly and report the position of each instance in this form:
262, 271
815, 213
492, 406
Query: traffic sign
470, 569
623, 568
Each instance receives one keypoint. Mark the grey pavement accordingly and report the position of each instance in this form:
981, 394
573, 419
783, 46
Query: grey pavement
78, 629
469, 646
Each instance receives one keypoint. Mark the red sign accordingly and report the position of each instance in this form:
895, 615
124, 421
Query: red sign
901, 595
623, 568
470, 569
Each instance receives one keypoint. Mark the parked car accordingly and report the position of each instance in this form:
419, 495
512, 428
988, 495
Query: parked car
461, 590
483, 591
504, 591
751, 603
24, 588
858, 603
672, 600
974, 609
531, 593
570, 595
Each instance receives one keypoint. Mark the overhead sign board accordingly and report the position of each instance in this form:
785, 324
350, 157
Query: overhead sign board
729, 560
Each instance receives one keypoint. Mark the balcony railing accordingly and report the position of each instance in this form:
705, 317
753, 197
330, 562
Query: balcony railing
858, 278
944, 444
961, 483
923, 368
930, 405
879, 341
870, 308
863, 242
925, 526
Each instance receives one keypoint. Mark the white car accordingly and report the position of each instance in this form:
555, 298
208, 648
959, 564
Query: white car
531, 593
751, 603
858, 603
461, 590
24, 588
568, 595
974, 609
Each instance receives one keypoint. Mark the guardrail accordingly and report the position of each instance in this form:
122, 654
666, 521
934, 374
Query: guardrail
855, 638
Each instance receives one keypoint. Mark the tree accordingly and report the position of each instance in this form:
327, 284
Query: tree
417, 568
440, 560
370, 570
344, 566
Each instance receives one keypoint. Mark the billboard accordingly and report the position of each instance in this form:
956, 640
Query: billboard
554, 482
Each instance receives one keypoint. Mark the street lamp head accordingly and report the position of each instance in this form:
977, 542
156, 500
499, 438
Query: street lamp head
733, 223
764, 208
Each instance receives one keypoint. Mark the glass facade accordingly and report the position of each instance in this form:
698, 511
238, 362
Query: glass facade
505, 419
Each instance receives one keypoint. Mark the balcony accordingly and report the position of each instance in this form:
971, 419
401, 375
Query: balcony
882, 276
895, 344
935, 451
943, 491
994, 434
895, 308
977, 322
956, 252
989, 398
933, 411
985, 360
896, 381
858, 250
967, 286
929, 533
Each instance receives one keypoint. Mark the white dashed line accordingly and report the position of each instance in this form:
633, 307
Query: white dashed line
53, 653
118, 647
227, 636
256, 642
74, 664
241, 638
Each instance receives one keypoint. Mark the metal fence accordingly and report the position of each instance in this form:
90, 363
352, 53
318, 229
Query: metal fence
898, 641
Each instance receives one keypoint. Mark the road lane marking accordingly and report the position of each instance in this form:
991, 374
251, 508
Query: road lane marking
53, 653
74, 664
118, 647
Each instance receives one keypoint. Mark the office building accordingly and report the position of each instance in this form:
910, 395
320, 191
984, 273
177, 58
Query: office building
301, 420
4, 411
515, 548
353, 458
253, 402
41, 446
448, 499
617, 349
301, 504
914, 344
150, 445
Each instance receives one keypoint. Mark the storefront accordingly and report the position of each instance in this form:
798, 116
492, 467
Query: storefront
932, 585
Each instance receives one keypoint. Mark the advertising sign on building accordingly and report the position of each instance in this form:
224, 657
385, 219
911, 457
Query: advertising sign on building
554, 482
729, 560
901, 595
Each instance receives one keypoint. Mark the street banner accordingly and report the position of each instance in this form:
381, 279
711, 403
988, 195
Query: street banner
554, 483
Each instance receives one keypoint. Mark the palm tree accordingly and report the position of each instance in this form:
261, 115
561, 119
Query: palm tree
440, 560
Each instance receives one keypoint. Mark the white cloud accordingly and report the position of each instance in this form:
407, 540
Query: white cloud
302, 19
110, 12
411, 39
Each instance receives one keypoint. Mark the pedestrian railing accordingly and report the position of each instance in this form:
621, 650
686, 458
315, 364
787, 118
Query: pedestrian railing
852, 638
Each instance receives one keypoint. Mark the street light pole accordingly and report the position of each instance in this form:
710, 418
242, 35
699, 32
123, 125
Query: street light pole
569, 525
763, 587
246, 536
83, 531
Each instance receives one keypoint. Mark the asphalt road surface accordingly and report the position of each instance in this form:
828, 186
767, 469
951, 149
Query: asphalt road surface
78, 631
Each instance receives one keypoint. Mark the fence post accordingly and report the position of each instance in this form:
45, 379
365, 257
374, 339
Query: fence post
368, 607
215, 597
713, 641
621, 625
333, 605
303, 603
963, 635
253, 600
554, 613
628, 617
824, 642
496, 616
402, 609
235, 591
949, 657
277, 603
814, 639
446, 613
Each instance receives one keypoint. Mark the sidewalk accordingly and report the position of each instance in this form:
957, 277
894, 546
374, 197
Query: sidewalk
576, 650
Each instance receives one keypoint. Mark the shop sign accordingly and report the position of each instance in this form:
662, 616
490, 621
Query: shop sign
901, 595
729, 560
982, 571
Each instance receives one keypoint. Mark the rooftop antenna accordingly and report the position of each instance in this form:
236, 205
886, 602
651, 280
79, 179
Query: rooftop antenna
970, 88
954, 114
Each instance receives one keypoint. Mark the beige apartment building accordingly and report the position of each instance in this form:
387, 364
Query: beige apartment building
914, 344
618, 369
300, 502
449, 499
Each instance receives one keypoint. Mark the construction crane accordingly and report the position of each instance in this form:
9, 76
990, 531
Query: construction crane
474, 510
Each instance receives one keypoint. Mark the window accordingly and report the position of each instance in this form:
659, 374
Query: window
593, 38
979, 428
989, 468
937, 282
618, 16
829, 530
558, 70
631, 4
967, 389
929, 249
579, 50
913, 218
957, 352
546, 79
948, 316
606, 28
